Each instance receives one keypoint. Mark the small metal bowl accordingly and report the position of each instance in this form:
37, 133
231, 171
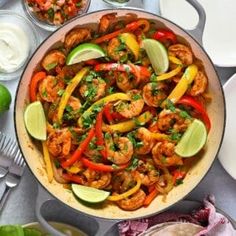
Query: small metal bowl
47, 25
33, 39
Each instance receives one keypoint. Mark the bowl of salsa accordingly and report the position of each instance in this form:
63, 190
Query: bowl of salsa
50, 15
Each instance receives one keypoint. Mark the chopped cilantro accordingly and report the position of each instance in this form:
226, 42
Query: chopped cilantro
134, 163
68, 108
60, 92
57, 163
136, 97
184, 114
170, 105
51, 13
56, 125
45, 94
51, 66
179, 181
175, 136
110, 90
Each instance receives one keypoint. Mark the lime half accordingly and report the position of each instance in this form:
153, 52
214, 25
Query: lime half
192, 140
5, 98
157, 55
84, 52
89, 194
35, 121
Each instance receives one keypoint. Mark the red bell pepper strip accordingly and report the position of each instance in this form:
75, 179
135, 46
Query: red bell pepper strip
144, 72
150, 197
190, 101
34, 84
73, 178
129, 27
107, 113
178, 175
99, 135
92, 62
103, 167
82, 147
163, 35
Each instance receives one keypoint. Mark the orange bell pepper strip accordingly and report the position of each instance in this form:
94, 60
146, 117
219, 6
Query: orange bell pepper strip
150, 197
79, 151
141, 23
103, 167
34, 84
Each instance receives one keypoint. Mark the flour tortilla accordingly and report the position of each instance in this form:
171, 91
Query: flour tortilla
173, 229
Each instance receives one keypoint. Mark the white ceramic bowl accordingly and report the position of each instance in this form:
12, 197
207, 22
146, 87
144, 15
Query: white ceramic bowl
30, 31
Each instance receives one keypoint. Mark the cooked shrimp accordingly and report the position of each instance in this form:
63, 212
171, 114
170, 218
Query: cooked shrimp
93, 90
182, 52
95, 179
122, 181
133, 107
115, 51
144, 136
163, 154
134, 202
148, 173
168, 120
106, 22
68, 72
119, 150
199, 84
73, 104
154, 93
59, 142
77, 36
52, 59
126, 82
49, 88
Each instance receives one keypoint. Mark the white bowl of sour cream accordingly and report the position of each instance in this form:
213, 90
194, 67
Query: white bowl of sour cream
18, 40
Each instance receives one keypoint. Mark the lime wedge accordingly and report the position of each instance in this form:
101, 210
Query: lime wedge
157, 54
5, 98
192, 140
35, 121
84, 52
89, 194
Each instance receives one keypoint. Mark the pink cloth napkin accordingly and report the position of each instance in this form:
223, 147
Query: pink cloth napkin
215, 223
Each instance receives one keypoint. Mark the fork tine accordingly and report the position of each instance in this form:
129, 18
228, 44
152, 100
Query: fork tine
10, 147
2, 141
17, 157
22, 162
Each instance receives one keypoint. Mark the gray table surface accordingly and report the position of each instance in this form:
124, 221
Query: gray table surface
20, 205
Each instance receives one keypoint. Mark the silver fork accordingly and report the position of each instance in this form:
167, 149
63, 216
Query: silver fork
8, 148
13, 177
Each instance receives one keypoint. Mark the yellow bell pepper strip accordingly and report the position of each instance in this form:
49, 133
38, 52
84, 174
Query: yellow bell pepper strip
131, 42
126, 194
129, 125
103, 101
182, 86
68, 91
159, 136
172, 73
48, 162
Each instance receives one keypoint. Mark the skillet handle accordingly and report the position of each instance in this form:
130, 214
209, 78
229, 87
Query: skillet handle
197, 33
43, 198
